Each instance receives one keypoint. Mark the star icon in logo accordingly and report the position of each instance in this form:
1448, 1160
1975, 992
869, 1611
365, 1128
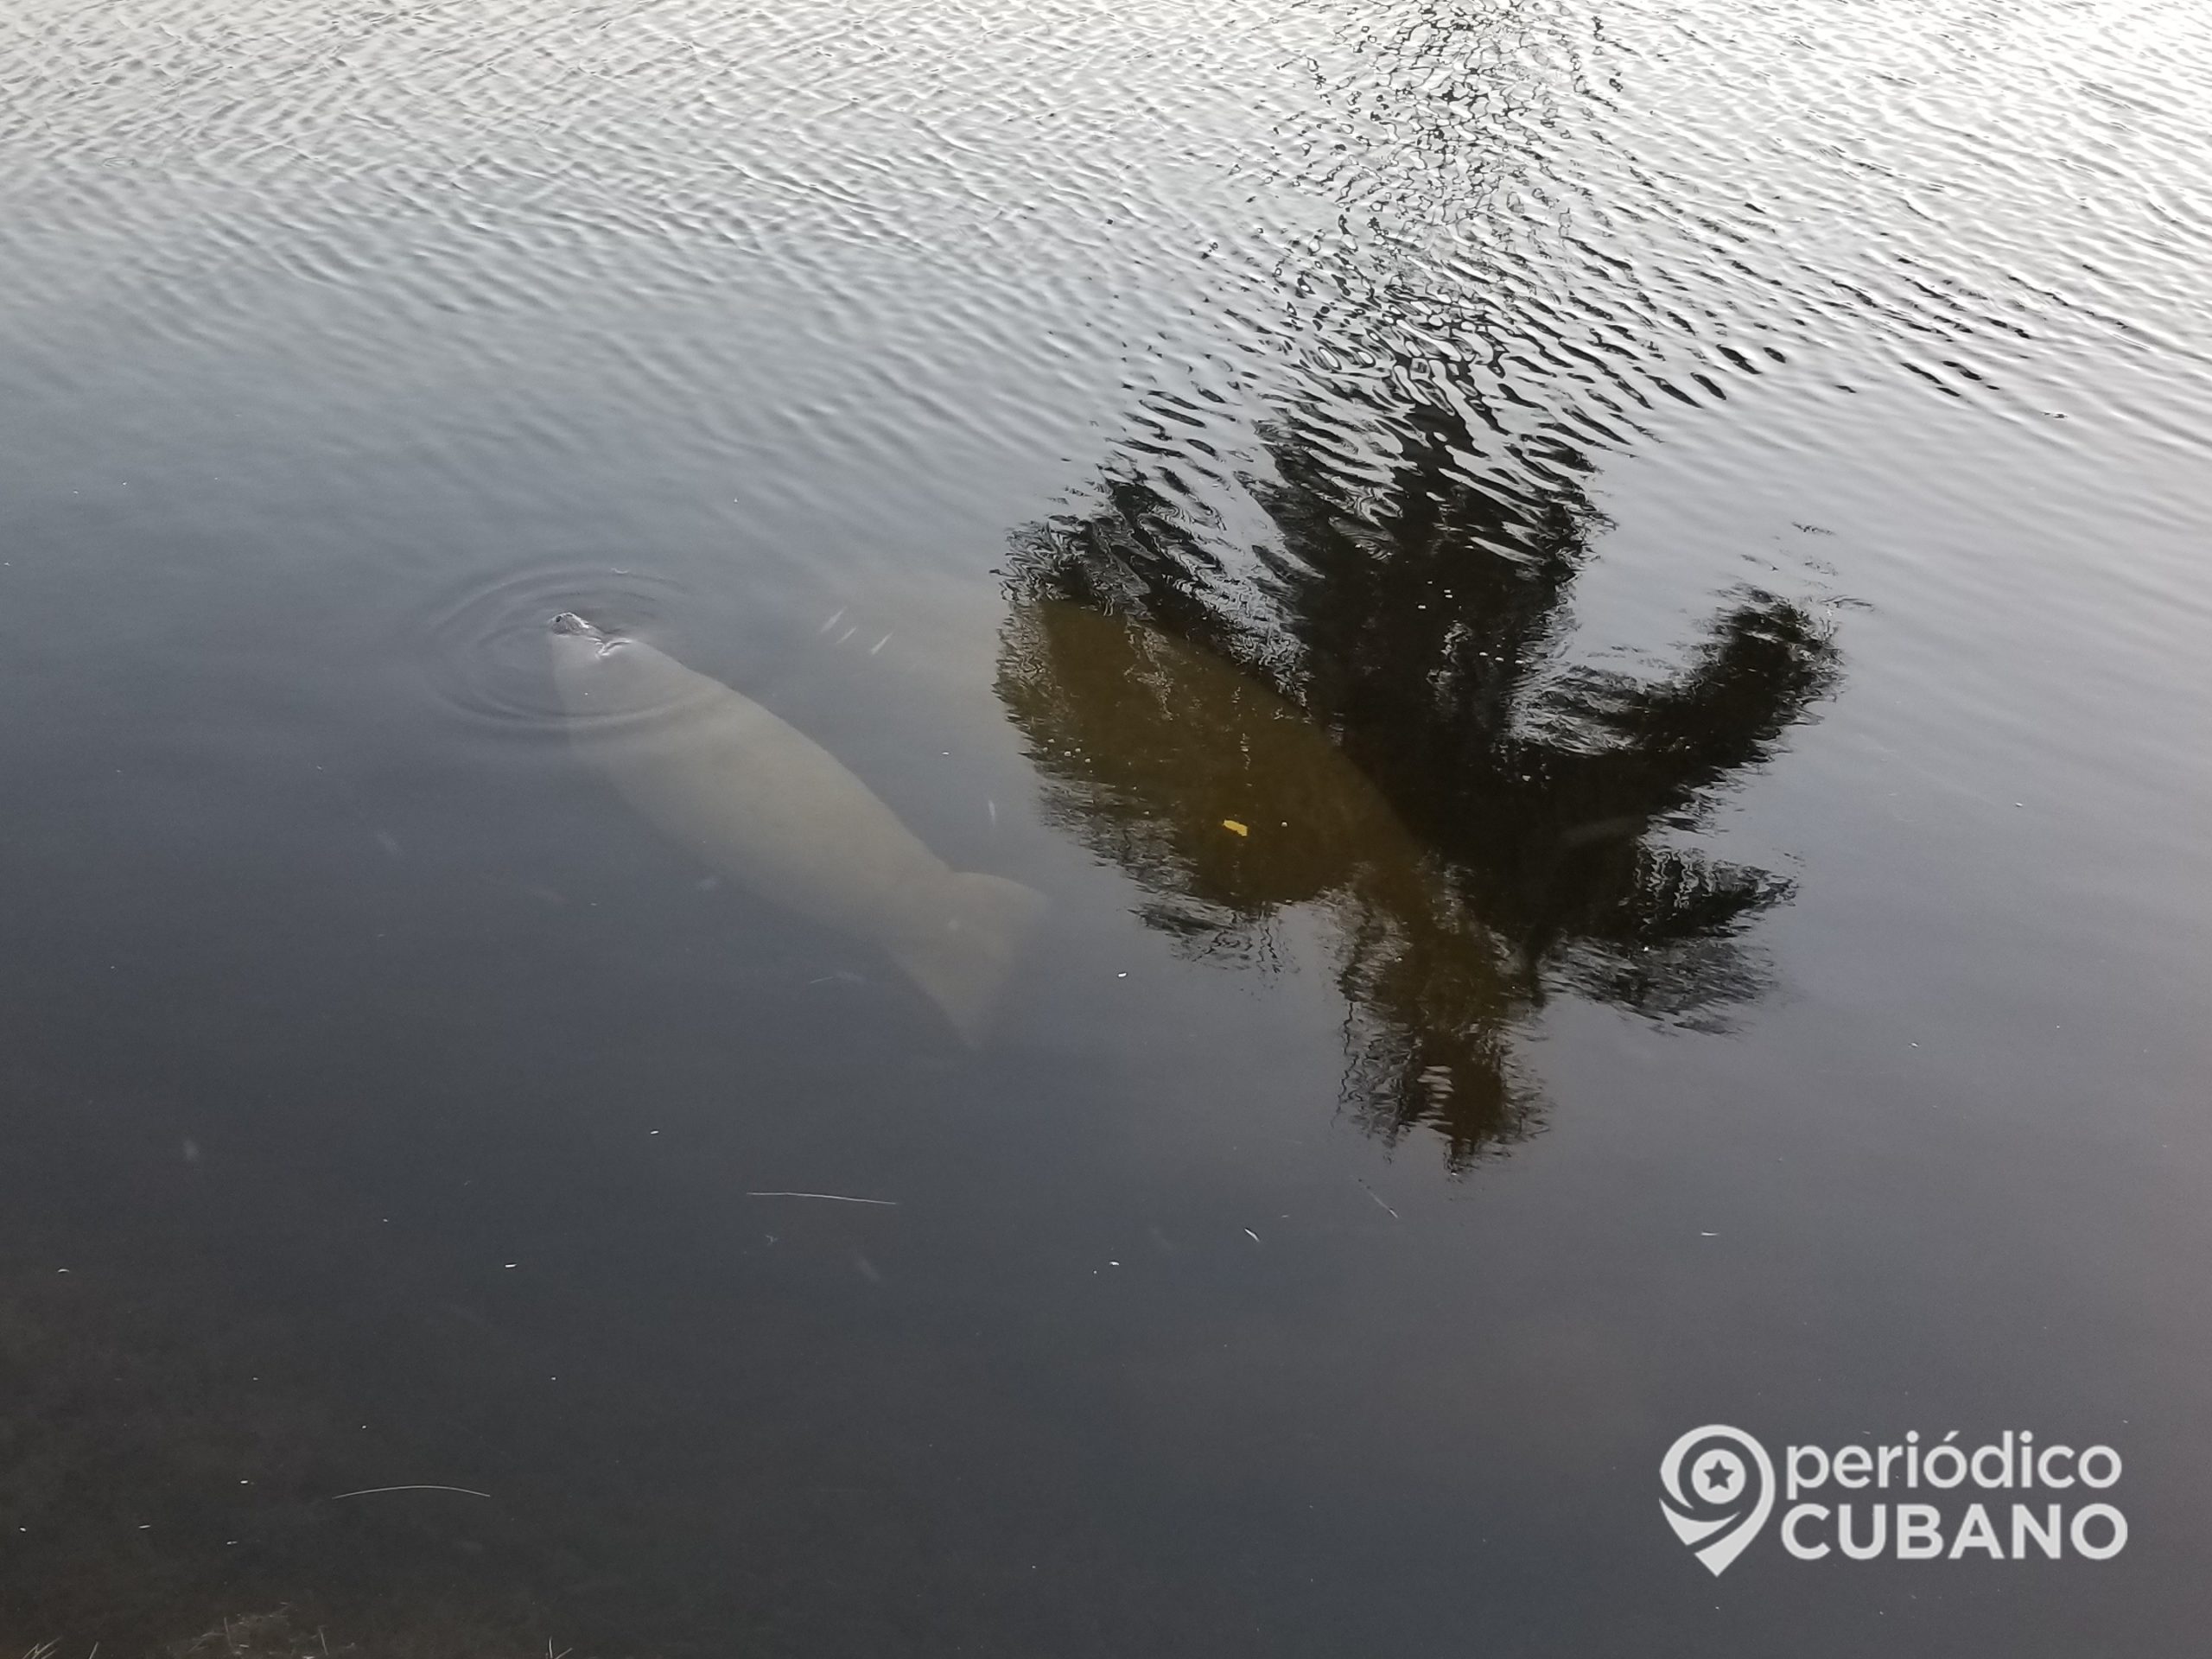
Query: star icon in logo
1720, 1476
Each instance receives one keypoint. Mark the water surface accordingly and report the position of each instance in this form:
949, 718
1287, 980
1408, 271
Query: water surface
1591, 617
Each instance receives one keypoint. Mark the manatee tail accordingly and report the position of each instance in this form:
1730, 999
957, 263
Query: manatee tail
963, 966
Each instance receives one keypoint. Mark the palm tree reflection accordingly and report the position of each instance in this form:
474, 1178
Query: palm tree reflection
1373, 724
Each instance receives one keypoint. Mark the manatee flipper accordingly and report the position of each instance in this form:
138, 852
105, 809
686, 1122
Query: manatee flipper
963, 964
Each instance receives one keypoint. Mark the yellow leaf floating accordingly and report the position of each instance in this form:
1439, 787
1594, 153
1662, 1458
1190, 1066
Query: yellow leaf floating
1231, 823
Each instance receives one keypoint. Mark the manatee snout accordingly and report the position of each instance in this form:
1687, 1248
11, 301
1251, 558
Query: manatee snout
569, 622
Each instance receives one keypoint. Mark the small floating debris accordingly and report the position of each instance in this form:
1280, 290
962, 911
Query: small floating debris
1235, 827
832, 1198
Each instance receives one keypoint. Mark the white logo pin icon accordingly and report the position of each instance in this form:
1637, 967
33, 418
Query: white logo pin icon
1720, 1487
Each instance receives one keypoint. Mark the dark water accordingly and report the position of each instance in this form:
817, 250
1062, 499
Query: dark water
1593, 618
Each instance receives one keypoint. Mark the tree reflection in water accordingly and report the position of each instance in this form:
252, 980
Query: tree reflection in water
1378, 697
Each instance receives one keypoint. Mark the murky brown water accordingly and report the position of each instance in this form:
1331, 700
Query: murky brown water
1590, 617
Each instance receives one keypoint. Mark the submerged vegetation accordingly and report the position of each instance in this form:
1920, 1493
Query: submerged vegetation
167, 1491
283, 1633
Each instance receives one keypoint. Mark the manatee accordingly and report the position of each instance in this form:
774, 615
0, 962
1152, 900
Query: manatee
766, 805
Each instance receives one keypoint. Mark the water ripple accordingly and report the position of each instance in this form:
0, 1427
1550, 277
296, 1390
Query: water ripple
481, 646
941, 254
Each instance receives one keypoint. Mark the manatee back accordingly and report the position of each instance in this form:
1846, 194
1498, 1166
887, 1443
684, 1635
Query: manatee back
748, 793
